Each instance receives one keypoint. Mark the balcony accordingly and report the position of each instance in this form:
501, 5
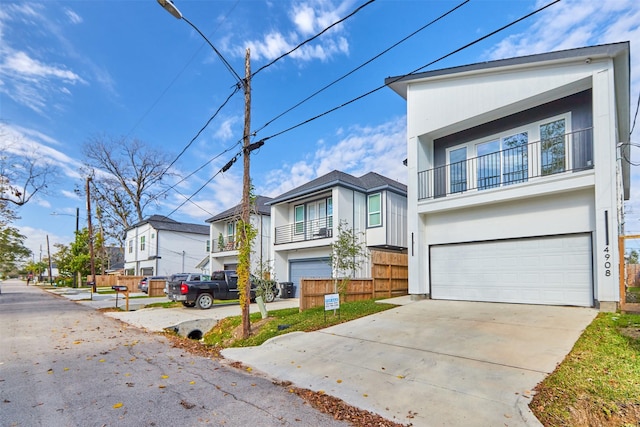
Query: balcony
516, 165
304, 231
225, 244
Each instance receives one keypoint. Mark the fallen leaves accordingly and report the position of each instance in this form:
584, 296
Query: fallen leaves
118, 405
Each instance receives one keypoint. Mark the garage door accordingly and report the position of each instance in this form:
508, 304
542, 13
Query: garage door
550, 270
307, 269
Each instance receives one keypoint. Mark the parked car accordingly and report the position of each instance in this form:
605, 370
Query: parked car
199, 290
143, 285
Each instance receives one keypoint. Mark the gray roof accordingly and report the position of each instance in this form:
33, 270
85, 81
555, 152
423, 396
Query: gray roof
261, 208
367, 183
160, 222
399, 83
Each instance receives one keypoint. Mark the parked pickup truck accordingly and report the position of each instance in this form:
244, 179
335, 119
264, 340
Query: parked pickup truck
199, 290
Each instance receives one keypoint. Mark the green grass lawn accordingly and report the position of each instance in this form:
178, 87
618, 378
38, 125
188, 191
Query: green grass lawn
598, 383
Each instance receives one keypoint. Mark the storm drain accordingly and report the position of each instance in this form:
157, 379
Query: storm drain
196, 334
193, 329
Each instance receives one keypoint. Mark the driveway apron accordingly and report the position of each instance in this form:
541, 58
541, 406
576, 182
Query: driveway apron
430, 363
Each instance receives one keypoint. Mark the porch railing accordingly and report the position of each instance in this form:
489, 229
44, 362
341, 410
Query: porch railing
305, 230
562, 154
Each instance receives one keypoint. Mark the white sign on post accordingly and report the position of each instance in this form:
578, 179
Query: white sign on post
331, 302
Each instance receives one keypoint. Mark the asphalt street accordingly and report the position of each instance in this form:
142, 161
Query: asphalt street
66, 364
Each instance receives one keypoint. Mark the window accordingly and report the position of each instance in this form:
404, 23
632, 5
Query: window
131, 246
515, 160
488, 164
458, 170
208, 245
552, 147
299, 219
374, 210
330, 213
142, 242
230, 232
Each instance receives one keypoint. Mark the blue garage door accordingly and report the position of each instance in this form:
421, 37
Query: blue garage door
308, 269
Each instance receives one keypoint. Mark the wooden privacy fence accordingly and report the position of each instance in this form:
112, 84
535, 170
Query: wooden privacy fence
109, 280
389, 278
633, 275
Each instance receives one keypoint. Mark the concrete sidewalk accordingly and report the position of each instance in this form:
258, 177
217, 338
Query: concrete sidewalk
430, 362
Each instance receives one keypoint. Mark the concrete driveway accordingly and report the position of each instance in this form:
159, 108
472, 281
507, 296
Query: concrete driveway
430, 363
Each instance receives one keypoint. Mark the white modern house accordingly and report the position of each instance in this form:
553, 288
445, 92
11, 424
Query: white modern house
223, 253
305, 222
160, 246
517, 175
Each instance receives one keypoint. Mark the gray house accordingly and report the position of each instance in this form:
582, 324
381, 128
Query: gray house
305, 222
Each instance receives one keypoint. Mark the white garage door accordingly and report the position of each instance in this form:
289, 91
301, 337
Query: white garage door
307, 269
550, 270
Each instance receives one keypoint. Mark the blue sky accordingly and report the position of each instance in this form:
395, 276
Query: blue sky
74, 70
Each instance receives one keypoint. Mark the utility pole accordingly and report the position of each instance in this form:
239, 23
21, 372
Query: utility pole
49, 257
93, 267
245, 244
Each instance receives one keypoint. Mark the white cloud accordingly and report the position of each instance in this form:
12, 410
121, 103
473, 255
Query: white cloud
360, 150
225, 129
307, 19
74, 18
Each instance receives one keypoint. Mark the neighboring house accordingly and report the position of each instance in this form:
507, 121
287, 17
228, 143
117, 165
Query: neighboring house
160, 246
223, 253
305, 222
517, 173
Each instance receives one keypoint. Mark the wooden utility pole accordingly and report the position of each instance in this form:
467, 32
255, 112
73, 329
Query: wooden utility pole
93, 266
245, 248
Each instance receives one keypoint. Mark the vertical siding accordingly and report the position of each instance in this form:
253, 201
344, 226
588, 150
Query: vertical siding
396, 220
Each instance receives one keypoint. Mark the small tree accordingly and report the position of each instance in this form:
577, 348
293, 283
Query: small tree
348, 253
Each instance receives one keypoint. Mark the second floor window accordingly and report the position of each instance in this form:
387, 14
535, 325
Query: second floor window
130, 246
299, 219
374, 210
143, 242
208, 245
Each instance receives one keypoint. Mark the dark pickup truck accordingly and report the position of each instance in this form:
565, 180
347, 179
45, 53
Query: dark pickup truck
199, 290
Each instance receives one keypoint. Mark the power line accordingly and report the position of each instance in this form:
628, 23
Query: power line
175, 79
358, 9
383, 86
362, 65
412, 72
235, 90
635, 116
224, 61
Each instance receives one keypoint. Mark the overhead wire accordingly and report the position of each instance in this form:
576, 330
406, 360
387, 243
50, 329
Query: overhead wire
635, 116
492, 33
362, 65
358, 9
351, 101
175, 79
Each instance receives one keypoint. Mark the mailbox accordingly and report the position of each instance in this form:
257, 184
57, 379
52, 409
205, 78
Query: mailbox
120, 288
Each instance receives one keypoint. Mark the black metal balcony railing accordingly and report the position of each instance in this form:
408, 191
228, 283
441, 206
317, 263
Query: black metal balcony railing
566, 153
301, 231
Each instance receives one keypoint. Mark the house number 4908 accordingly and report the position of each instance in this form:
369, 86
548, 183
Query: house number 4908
607, 262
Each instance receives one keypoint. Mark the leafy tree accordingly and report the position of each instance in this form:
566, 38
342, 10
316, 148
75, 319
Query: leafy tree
347, 254
12, 249
76, 258
633, 257
22, 174
127, 176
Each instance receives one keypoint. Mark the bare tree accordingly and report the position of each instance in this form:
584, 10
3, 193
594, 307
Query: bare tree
22, 174
127, 176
